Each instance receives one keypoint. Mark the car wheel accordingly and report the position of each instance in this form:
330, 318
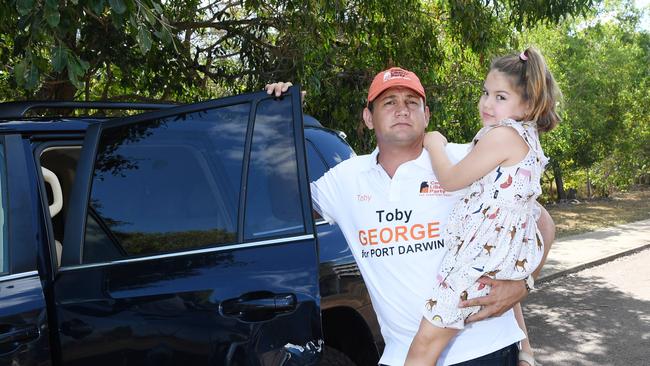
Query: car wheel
334, 357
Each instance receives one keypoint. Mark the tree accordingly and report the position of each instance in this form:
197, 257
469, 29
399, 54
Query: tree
188, 49
602, 67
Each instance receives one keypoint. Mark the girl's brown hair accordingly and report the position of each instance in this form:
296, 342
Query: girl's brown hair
530, 75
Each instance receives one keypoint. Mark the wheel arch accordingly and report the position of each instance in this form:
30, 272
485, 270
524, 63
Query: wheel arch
347, 331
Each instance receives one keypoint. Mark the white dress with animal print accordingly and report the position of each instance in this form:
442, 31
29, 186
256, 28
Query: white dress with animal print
492, 231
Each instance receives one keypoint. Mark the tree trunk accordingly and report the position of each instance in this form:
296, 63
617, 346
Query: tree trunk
589, 188
559, 183
61, 89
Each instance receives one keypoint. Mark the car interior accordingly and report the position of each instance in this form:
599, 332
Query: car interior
58, 165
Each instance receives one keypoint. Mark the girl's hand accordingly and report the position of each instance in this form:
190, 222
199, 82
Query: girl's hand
434, 138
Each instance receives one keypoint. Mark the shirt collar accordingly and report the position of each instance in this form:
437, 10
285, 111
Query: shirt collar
422, 161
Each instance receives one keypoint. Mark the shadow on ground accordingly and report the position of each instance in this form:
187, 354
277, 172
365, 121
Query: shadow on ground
583, 320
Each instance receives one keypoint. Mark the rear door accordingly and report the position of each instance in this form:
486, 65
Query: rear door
189, 240
24, 331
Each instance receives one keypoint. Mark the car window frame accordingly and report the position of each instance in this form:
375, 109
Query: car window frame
72, 256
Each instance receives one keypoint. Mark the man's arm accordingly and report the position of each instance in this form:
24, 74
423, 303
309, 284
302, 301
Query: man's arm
546, 227
504, 294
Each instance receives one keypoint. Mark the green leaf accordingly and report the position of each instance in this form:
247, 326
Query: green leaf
52, 16
32, 77
74, 79
59, 58
133, 21
163, 35
84, 65
53, 4
118, 6
151, 19
97, 6
24, 6
76, 70
144, 40
19, 72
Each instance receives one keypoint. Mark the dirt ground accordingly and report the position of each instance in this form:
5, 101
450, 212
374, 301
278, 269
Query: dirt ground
587, 215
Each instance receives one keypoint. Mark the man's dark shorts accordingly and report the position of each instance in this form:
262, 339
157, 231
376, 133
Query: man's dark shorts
507, 356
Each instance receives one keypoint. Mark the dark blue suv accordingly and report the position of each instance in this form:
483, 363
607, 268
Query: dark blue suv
183, 235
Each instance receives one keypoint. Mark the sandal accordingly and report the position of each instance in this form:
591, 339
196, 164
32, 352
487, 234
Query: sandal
526, 357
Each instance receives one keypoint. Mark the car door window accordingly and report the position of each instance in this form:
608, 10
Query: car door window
166, 185
273, 205
4, 244
333, 149
315, 165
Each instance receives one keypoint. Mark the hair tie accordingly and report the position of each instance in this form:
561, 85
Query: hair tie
523, 57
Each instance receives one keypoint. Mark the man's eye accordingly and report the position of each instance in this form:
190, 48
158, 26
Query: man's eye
389, 102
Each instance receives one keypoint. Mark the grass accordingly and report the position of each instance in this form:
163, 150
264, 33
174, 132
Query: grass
588, 215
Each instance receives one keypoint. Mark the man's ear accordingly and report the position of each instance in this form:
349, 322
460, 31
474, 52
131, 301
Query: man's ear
367, 118
427, 115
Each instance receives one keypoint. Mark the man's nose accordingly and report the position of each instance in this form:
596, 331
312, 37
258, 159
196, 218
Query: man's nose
402, 108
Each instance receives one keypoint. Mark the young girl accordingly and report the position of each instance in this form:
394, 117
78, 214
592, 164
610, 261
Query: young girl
492, 231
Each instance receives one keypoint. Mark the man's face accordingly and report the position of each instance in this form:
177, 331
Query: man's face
399, 117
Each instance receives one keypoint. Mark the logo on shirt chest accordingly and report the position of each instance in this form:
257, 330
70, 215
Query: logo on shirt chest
432, 188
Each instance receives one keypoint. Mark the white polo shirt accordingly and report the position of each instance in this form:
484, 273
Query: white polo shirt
393, 228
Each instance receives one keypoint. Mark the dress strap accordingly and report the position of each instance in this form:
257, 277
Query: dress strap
526, 129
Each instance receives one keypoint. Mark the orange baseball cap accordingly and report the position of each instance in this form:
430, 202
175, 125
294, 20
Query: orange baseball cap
395, 76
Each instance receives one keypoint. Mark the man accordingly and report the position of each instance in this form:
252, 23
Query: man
392, 211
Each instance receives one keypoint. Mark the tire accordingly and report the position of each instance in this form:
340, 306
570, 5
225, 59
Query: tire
334, 357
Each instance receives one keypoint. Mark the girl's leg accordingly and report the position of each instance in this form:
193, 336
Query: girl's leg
525, 343
428, 344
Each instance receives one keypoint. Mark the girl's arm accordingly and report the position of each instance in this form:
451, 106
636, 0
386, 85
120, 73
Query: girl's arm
498, 146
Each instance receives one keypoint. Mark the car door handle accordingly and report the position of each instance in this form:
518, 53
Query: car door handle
76, 328
257, 306
22, 334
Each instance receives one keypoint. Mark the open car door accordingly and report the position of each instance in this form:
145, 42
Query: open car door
189, 240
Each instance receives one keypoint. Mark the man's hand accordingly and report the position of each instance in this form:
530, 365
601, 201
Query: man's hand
277, 88
280, 87
504, 294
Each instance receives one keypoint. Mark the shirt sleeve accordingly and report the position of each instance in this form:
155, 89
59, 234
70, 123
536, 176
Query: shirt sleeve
456, 152
324, 193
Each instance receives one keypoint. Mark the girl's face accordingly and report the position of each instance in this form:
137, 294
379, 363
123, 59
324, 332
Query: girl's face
500, 100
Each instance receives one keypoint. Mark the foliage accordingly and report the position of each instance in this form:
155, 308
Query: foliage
602, 67
189, 50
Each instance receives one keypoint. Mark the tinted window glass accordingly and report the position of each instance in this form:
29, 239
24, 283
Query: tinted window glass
4, 244
168, 184
273, 205
332, 147
315, 165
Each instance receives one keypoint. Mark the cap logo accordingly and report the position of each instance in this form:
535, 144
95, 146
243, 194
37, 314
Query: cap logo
392, 74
